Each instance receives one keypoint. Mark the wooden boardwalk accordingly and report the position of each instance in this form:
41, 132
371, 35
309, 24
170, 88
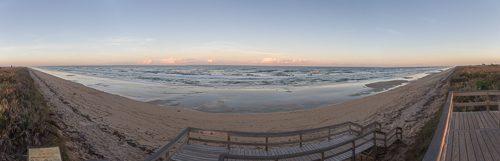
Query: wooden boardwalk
335, 142
468, 128
473, 136
202, 152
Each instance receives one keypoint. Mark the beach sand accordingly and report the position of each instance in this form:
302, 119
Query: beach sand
108, 126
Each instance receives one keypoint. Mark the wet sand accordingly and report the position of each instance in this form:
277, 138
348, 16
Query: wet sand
108, 126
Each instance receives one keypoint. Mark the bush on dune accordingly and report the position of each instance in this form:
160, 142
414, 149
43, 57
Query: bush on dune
25, 120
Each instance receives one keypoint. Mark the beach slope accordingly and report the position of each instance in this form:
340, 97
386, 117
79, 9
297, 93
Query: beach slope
108, 126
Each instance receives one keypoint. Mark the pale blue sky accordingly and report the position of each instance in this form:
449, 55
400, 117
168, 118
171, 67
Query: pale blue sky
325, 33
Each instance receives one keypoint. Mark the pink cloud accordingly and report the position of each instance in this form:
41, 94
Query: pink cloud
173, 61
212, 61
280, 61
166, 61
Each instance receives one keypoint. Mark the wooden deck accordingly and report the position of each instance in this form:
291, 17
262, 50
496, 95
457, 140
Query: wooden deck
473, 136
201, 152
468, 128
335, 142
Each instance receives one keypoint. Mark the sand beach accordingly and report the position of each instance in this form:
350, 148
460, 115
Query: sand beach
112, 127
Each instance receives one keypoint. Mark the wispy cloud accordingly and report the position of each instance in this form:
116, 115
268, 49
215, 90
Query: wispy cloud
122, 40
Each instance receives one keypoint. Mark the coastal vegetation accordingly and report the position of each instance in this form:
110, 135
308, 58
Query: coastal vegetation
25, 119
463, 78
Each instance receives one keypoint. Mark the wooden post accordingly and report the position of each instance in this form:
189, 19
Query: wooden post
166, 154
375, 145
488, 101
353, 150
188, 136
267, 141
322, 156
350, 129
329, 134
300, 140
385, 142
228, 141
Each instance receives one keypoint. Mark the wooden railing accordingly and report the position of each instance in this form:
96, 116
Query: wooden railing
322, 151
184, 137
440, 138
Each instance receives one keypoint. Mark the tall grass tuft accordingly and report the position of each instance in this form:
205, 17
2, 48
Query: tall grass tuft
25, 120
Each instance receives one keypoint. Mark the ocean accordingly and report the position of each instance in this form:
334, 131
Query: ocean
241, 75
240, 89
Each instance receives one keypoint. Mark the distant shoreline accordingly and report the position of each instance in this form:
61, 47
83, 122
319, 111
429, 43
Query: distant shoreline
239, 99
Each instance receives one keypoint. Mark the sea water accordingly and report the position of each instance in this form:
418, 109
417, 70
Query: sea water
242, 75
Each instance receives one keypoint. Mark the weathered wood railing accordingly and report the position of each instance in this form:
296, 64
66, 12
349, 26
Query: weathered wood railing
374, 138
352, 128
439, 140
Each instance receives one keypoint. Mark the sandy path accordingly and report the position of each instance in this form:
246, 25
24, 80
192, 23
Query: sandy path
103, 125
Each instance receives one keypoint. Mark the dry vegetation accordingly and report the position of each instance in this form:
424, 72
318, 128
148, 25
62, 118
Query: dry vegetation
464, 78
25, 120
471, 78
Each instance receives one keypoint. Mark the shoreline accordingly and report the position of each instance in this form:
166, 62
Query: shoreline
104, 125
236, 99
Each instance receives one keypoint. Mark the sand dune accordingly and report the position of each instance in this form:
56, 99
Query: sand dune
103, 125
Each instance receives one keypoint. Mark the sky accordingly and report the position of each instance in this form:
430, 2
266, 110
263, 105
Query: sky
256, 32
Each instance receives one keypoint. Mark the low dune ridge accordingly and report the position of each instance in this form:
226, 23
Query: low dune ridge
102, 125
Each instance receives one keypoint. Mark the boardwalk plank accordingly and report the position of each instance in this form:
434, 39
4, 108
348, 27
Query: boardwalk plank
463, 146
493, 119
461, 120
495, 140
484, 147
475, 144
466, 120
449, 150
456, 147
456, 122
494, 114
471, 121
470, 150
489, 144
484, 119
487, 120
479, 120
475, 124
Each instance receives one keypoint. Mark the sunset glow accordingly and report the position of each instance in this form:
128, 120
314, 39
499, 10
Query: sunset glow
270, 33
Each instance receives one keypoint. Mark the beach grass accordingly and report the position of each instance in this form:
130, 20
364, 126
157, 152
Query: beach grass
25, 119
463, 78
424, 137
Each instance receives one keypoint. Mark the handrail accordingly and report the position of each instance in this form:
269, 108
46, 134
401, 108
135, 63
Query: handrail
186, 131
277, 134
321, 150
167, 147
439, 140
375, 123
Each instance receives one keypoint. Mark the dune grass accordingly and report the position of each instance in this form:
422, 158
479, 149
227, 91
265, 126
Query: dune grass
463, 78
25, 119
